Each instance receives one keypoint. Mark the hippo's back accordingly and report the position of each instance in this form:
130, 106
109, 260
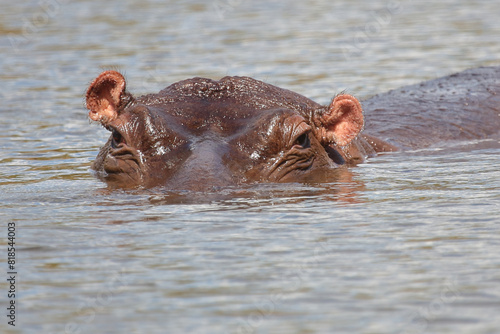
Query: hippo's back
462, 106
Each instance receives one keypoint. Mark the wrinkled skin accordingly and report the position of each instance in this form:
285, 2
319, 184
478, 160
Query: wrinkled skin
200, 133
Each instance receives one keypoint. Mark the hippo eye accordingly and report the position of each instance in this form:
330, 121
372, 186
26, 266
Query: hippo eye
117, 138
303, 140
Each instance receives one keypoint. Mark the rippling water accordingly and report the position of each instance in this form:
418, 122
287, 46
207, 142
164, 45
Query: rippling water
406, 243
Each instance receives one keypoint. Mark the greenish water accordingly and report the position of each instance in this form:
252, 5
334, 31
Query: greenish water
405, 243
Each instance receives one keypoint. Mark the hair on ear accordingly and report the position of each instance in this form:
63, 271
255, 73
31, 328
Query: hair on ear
342, 121
104, 96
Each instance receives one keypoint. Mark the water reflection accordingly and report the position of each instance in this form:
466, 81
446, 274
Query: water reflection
343, 186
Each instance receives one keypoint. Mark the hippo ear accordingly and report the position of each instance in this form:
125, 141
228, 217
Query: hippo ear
342, 122
104, 96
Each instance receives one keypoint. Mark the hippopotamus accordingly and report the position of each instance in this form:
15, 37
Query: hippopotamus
200, 133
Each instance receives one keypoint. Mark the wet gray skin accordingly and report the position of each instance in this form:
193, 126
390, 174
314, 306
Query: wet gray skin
199, 133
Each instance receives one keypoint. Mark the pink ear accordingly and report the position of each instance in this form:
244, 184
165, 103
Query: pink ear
104, 96
343, 121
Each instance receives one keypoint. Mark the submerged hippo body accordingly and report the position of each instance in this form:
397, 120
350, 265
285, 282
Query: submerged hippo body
201, 133
460, 107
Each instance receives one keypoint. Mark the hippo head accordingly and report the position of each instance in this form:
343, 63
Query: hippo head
201, 133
